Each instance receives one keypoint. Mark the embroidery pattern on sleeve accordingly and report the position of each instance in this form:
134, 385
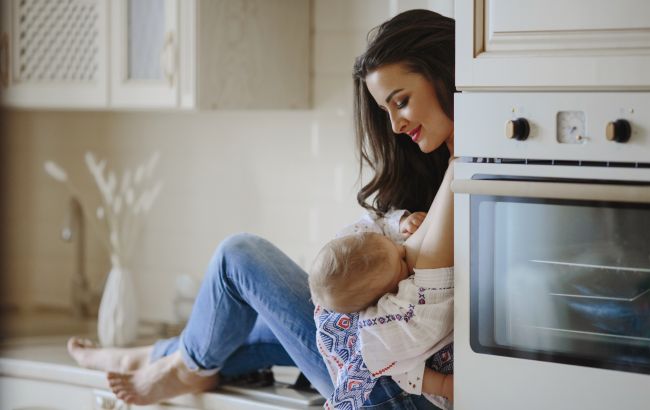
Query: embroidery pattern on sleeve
376, 321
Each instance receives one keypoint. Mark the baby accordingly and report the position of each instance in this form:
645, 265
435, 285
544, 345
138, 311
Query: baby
404, 296
351, 273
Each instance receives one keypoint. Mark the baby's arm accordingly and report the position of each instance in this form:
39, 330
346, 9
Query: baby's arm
432, 245
388, 225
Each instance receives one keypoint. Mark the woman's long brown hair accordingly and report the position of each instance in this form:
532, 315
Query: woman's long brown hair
404, 177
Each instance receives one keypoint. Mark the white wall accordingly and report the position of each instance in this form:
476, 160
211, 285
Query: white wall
286, 175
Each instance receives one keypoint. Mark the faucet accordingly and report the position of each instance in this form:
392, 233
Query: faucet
73, 230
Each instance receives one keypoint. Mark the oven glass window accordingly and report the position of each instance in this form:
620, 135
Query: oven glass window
561, 281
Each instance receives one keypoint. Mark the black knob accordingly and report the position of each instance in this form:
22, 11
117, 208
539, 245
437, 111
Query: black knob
517, 129
619, 130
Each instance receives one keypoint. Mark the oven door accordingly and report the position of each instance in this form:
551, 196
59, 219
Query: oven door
559, 273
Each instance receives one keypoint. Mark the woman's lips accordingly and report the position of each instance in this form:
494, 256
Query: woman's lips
415, 133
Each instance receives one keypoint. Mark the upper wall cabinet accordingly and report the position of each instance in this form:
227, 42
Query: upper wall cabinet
144, 53
553, 44
188, 54
53, 53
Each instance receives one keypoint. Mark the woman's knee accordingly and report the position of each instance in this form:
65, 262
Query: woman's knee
236, 253
239, 245
249, 259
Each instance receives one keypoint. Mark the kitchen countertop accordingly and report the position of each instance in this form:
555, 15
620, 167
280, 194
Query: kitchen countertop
46, 359
33, 350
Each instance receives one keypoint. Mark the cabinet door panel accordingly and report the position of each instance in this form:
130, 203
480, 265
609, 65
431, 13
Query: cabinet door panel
578, 44
144, 53
562, 15
146, 39
55, 53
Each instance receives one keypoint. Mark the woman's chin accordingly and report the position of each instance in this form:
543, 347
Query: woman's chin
426, 148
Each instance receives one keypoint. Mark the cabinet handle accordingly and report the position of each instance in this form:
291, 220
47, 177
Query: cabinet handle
168, 58
4, 60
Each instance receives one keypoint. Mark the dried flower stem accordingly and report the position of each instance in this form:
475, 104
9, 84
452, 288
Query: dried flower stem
57, 173
122, 207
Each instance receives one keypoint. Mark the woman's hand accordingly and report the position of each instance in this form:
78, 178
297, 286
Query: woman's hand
409, 224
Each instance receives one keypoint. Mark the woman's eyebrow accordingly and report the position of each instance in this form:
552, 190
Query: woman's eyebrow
392, 94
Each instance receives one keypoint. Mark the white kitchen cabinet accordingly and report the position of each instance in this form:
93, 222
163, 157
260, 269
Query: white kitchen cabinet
553, 44
144, 43
189, 54
54, 53
250, 54
210, 54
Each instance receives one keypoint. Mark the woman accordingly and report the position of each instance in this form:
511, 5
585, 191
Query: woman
253, 309
404, 85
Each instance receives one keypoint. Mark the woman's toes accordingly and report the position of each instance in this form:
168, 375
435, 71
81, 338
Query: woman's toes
117, 379
113, 376
73, 343
115, 384
124, 393
76, 342
86, 343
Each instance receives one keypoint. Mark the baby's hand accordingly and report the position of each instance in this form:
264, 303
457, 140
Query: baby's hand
409, 224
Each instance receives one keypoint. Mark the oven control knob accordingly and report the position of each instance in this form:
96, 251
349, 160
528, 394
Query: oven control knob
619, 130
517, 129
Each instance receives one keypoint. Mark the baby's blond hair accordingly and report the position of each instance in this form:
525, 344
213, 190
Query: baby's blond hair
343, 275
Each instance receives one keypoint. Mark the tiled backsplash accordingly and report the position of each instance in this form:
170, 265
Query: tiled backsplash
289, 176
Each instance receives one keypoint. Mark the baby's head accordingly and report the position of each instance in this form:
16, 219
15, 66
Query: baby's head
352, 272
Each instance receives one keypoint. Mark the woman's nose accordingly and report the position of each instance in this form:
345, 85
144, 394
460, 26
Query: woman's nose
398, 123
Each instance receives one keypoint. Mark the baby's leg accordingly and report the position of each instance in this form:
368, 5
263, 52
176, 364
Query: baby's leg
432, 245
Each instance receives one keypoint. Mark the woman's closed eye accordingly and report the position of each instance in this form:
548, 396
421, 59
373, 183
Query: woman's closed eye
403, 103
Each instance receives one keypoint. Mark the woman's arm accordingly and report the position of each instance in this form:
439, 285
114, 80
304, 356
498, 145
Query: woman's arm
432, 245
438, 384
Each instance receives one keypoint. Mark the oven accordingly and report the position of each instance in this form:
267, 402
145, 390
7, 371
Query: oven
552, 250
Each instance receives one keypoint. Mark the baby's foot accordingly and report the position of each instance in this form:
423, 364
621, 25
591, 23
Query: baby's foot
165, 378
87, 354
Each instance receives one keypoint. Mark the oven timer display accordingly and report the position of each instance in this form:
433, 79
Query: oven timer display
571, 127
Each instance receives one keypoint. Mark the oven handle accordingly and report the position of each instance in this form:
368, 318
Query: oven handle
555, 190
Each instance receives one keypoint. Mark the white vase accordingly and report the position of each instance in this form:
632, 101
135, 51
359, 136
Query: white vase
117, 324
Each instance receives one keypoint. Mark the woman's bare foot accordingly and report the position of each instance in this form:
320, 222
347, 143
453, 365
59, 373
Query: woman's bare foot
165, 378
87, 354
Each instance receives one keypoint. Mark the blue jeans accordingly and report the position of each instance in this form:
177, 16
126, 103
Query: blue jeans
254, 311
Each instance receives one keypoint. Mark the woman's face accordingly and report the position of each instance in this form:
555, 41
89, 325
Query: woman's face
412, 106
